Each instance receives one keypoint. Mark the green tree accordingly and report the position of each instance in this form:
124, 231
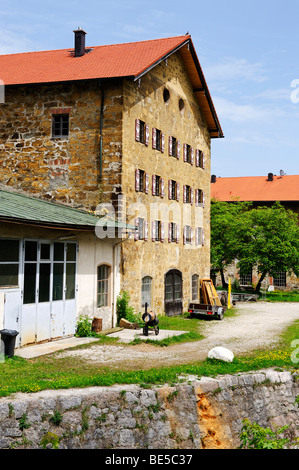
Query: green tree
227, 233
271, 243
266, 238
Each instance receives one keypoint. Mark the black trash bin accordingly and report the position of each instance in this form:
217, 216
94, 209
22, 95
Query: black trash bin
9, 339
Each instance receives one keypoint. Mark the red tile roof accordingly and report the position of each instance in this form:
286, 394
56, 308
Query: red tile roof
110, 61
256, 188
117, 60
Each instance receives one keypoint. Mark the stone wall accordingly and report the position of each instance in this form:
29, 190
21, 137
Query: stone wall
66, 170
195, 414
145, 100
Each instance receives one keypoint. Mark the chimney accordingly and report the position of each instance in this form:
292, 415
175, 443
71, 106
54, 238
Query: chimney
79, 42
270, 176
213, 179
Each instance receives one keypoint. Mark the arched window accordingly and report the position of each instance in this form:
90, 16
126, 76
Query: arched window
195, 279
103, 287
146, 291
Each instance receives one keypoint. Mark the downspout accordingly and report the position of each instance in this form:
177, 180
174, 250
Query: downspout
101, 130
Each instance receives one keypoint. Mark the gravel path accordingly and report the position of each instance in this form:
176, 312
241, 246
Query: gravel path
256, 325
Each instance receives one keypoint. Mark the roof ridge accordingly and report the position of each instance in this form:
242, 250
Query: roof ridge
69, 49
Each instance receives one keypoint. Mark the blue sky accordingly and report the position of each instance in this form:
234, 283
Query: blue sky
249, 52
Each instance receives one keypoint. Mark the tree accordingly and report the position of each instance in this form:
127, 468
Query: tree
227, 233
266, 238
272, 242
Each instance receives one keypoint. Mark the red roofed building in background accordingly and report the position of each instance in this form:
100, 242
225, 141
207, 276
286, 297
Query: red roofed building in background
261, 191
128, 126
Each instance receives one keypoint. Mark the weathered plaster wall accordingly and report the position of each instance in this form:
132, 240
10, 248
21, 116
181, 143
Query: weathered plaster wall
198, 414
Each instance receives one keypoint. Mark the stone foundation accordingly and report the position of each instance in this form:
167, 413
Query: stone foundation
198, 414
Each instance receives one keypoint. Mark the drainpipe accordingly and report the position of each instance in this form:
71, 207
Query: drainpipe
101, 130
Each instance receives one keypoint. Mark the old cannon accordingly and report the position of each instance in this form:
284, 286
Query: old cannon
150, 319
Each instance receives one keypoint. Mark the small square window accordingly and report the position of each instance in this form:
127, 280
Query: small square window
60, 125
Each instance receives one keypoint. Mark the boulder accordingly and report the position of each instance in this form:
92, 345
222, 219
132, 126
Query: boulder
222, 354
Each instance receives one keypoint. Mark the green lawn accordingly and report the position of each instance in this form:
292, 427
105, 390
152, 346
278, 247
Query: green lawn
51, 372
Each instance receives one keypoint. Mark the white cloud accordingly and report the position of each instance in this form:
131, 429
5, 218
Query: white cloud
233, 69
244, 112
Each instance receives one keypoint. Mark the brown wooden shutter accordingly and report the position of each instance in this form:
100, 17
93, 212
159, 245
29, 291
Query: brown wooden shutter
146, 135
137, 231
169, 232
196, 197
146, 231
137, 130
170, 146
154, 138
154, 230
162, 187
154, 185
192, 156
203, 161
203, 199
178, 191
162, 142
178, 153
146, 182
185, 152
191, 195
197, 157
169, 189
162, 232
177, 233
184, 193
137, 180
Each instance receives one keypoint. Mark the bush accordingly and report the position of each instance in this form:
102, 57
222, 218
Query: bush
84, 326
254, 436
124, 310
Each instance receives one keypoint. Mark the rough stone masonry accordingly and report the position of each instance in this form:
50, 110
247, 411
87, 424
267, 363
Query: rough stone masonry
196, 413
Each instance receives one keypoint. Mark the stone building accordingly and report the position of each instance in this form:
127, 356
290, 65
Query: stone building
127, 127
260, 191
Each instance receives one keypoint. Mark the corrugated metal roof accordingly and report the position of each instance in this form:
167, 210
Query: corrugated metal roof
22, 208
256, 188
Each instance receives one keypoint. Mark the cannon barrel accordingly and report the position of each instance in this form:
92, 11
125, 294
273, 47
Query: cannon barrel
150, 318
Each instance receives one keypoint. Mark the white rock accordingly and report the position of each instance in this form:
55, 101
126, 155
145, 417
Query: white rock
221, 354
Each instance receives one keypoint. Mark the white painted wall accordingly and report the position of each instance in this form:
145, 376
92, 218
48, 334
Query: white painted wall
93, 252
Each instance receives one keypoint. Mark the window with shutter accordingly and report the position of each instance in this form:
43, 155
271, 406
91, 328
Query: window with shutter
146, 135
192, 156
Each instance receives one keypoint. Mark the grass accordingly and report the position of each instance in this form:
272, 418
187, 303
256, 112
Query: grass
53, 372
280, 296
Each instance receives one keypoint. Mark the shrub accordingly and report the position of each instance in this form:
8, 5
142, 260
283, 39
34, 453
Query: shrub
124, 310
84, 326
254, 436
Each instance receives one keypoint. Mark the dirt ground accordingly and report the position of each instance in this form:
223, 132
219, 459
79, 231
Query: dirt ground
255, 325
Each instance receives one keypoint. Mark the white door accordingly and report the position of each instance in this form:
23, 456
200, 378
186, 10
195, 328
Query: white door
46, 290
